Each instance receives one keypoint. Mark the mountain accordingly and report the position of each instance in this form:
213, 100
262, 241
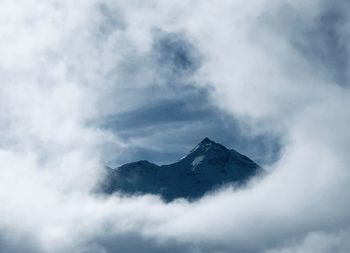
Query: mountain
208, 166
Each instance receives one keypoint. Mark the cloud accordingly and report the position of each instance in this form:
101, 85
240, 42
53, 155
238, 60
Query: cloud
320, 242
171, 112
66, 66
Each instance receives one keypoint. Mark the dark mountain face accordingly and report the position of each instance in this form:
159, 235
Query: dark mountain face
208, 166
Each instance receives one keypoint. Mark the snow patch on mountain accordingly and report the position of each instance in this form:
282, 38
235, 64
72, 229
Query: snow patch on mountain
197, 161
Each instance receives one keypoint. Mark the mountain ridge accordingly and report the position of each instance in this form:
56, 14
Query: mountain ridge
208, 166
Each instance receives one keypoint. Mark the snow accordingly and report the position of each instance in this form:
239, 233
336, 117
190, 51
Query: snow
207, 147
195, 148
197, 161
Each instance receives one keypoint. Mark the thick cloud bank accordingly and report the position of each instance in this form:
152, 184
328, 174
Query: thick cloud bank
279, 68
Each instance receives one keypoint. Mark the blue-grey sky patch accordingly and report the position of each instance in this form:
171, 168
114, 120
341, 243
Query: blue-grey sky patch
175, 114
170, 129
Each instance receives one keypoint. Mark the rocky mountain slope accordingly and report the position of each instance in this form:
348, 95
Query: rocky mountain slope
208, 166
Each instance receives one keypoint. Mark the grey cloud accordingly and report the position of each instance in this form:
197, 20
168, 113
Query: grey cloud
11, 243
111, 20
319, 242
175, 113
175, 56
134, 243
320, 37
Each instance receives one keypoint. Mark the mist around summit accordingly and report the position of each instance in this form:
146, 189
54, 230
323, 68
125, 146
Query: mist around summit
90, 85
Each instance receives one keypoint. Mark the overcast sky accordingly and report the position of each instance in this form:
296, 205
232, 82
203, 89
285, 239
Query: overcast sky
85, 83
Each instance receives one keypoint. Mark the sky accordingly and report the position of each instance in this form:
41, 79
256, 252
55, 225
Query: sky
85, 83
174, 113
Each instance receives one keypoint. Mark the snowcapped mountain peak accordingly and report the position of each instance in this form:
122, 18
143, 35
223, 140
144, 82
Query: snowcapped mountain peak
205, 145
209, 165
206, 140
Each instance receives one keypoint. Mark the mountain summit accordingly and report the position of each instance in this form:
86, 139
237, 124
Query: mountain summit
208, 166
